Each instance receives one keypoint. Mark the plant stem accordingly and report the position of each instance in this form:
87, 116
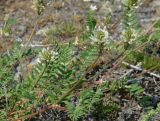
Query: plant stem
40, 76
6, 100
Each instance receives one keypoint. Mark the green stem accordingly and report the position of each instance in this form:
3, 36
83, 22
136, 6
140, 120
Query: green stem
40, 76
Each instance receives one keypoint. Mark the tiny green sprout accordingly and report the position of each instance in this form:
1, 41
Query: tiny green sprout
6, 29
107, 19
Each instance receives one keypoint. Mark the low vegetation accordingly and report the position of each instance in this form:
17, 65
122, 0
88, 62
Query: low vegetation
75, 79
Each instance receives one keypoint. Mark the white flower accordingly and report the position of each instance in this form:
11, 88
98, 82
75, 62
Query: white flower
93, 7
22, 45
100, 35
129, 35
54, 54
47, 55
45, 50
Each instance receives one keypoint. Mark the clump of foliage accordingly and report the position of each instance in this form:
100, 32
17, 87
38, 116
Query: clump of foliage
150, 114
60, 72
6, 29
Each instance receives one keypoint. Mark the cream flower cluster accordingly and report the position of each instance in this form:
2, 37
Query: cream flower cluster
93, 7
129, 35
47, 55
100, 36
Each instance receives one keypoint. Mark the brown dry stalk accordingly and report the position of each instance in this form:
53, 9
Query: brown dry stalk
20, 111
92, 65
17, 105
40, 111
32, 33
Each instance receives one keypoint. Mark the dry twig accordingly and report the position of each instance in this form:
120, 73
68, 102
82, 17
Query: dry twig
140, 69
